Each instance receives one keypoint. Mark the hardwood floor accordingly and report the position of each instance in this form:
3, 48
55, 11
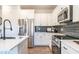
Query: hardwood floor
39, 50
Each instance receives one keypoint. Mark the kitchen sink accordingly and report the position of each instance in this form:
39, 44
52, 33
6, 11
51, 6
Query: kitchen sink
8, 37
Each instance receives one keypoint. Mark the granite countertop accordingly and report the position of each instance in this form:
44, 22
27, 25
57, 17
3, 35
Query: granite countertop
8, 44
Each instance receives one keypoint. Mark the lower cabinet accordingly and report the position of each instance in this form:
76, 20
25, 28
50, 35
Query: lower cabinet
13, 51
42, 39
22, 48
66, 49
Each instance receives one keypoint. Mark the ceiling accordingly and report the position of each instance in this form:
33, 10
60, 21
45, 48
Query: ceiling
40, 8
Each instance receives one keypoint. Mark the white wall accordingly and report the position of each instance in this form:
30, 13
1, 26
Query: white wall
0, 11
13, 14
27, 13
0, 16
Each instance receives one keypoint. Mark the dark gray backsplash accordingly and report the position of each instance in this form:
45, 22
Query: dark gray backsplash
42, 28
72, 29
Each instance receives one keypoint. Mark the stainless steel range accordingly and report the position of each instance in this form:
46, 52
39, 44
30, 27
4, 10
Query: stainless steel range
56, 44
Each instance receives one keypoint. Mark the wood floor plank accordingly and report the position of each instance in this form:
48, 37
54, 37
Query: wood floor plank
39, 50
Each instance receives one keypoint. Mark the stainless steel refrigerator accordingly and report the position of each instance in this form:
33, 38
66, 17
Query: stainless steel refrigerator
30, 32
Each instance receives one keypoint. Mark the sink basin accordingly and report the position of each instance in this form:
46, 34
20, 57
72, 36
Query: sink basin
8, 37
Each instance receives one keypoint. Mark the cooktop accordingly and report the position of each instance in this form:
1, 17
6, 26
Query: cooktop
70, 37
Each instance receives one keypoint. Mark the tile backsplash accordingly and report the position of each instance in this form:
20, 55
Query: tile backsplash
72, 29
43, 29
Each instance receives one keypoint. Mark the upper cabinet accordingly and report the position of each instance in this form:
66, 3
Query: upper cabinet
59, 8
75, 13
55, 15
56, 12
43, 19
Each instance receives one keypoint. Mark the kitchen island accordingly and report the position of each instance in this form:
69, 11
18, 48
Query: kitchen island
14, 46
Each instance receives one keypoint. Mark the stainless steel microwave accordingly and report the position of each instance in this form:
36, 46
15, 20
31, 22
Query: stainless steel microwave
66, 14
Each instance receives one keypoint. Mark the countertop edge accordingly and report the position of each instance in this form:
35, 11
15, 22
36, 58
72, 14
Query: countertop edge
18, 41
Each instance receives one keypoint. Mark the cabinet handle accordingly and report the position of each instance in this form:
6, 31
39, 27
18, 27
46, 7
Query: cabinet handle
65, 48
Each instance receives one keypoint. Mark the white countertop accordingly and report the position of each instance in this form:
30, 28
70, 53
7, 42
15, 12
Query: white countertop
8, 44
58, 34
72, 44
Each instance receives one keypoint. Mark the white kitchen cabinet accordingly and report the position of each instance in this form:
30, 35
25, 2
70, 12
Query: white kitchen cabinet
66, 49
55, 13
49, 20
13, 51
42, 39
37, 20
75, 13
22, 48
59, 8
43, 19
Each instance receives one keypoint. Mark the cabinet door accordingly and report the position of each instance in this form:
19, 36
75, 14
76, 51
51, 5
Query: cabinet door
14, 50
22, 47
49, 20
43, 19
37, 20
55, 13
38, 39
42, 39
75, 13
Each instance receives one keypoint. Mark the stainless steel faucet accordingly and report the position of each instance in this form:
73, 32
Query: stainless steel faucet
4, 27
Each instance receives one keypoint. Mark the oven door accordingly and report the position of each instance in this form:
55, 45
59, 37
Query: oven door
56, 49
56, 45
